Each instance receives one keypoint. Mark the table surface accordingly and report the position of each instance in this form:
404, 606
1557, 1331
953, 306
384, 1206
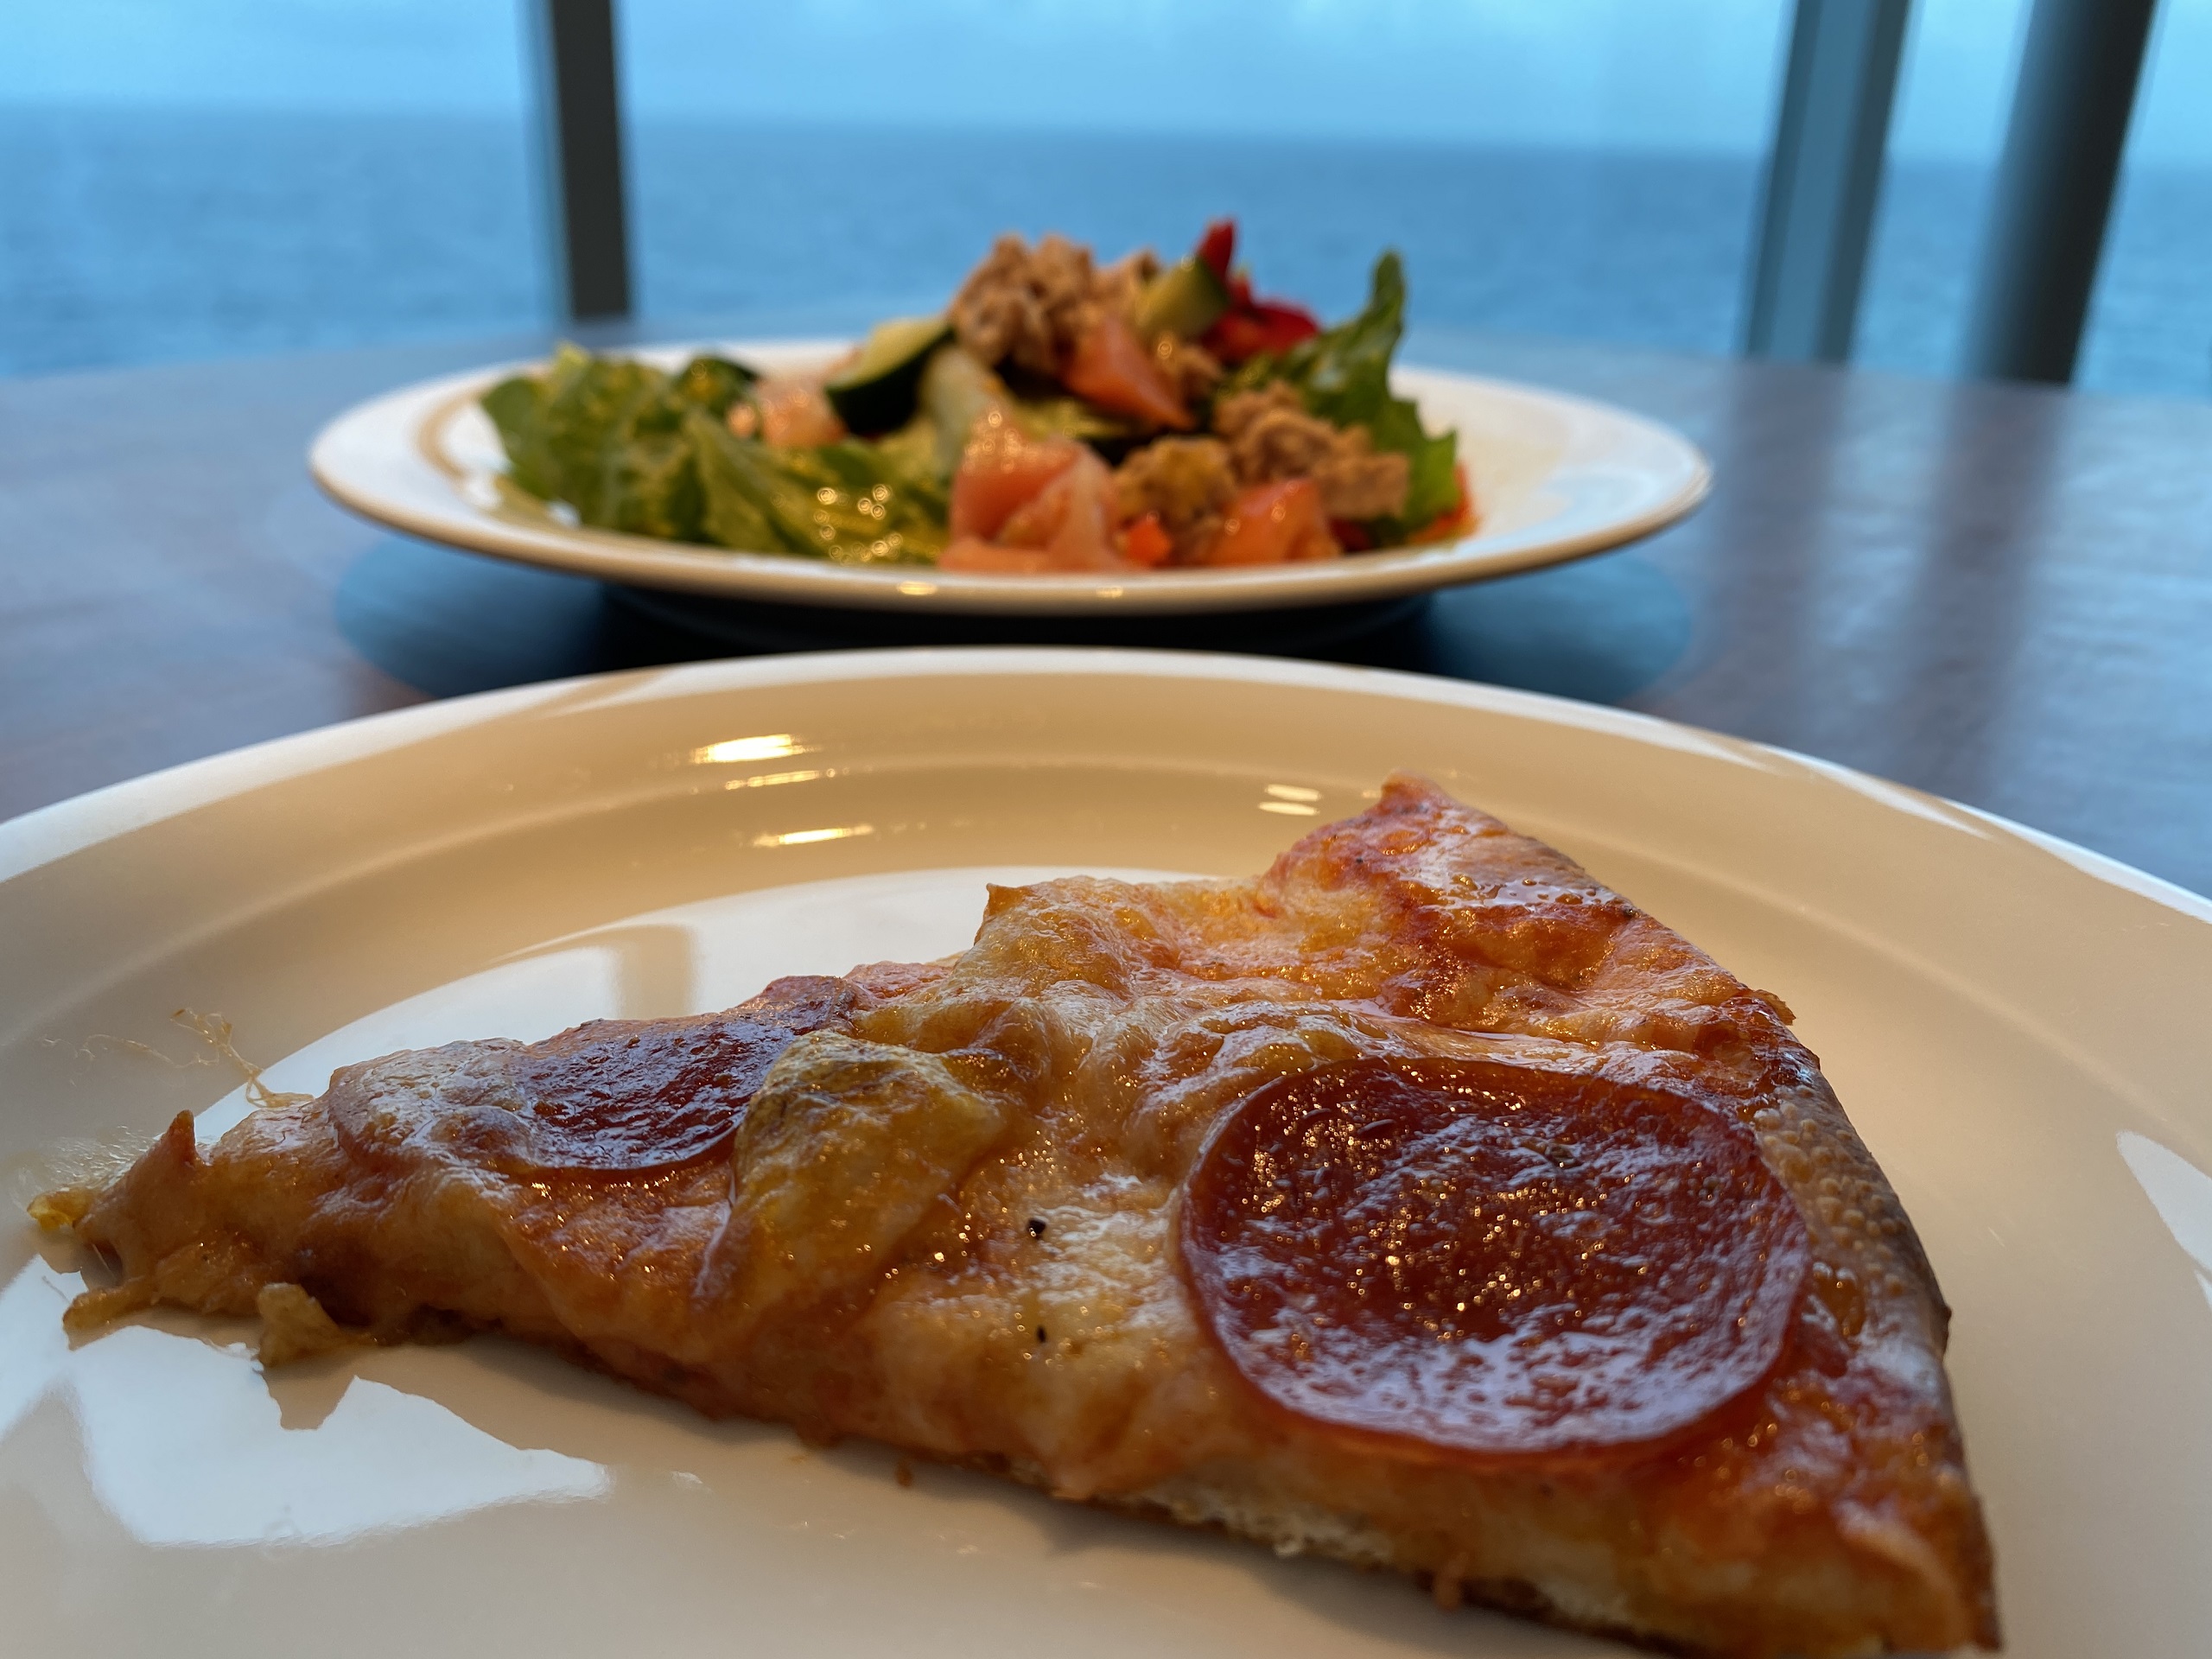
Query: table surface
1999, 593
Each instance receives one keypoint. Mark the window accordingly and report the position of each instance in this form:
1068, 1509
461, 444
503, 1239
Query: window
1583, 167
1947, 128
2150, 327
2151, 321
243, 175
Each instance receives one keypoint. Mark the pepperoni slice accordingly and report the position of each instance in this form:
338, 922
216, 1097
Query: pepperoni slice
1471, 1259
634, 1097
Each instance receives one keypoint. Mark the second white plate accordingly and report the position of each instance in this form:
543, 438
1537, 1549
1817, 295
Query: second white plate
1555, 478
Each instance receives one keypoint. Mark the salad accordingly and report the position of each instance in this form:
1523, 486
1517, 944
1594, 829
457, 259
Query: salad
1058, 416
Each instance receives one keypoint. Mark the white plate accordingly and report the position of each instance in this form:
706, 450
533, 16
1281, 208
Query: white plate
2017, 1027
1555, 478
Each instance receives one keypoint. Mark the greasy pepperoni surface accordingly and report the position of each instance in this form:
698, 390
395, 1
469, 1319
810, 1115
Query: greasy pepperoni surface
1472, 1258
629, 1097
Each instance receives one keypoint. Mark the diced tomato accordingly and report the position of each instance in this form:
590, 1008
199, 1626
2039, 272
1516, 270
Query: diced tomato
1147, 542
1000, 471
1036, 521
1350, 535
1274, 524
1113, 370
1217, 247
1020, 505
1069, 520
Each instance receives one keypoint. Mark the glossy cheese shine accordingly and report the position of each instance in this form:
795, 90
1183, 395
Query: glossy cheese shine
947, 1218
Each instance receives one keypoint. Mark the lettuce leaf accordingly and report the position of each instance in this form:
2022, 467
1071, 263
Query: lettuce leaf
517, 408
732, 487
1343, 375
857, 506
632, 448
652, 488
592, 407
849, 502
608, 436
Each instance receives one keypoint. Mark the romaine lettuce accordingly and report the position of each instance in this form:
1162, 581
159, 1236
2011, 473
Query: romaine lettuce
608, 436
849, 502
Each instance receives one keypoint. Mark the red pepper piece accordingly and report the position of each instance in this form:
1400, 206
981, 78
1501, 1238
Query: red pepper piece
1218, 246
1264, 326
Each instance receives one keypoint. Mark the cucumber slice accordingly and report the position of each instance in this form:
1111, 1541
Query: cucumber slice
1183, 300
875, 391
957, 391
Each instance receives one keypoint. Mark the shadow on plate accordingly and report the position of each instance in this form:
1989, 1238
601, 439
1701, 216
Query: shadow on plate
528, 1399
449, 623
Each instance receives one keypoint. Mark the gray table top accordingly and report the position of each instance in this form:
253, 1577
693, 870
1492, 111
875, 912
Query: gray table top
1999, 593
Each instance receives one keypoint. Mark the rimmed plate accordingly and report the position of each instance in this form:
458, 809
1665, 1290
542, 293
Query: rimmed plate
2016, 1026
1556, 478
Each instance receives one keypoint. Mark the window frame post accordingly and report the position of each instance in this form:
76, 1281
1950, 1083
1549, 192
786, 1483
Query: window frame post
578, 116
1823, 180
2081, 68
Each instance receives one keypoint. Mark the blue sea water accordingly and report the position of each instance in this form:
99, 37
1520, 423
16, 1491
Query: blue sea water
141, 236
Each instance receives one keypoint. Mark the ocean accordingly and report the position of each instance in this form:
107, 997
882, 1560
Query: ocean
148, 236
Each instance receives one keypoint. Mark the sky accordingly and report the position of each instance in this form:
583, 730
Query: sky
1675, 74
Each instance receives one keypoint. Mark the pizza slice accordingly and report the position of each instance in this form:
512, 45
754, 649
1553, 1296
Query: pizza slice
1421, 1202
